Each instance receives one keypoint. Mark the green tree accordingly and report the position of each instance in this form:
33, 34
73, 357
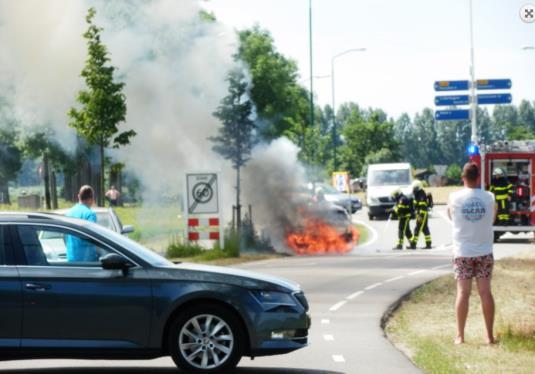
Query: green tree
403, 130
453, 172
282, 104
526, 115
426, 151
505, 119
367, 136
40, 144
103, 104
10, 161
236, 136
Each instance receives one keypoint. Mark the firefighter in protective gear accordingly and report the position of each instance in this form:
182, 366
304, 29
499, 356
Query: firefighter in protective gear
503, 191
422, 204
403, 209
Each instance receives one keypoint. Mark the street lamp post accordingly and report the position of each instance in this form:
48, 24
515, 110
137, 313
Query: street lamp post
311, 64
333, 59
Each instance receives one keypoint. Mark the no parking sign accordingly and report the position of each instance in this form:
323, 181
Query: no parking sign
202, 210
203, 193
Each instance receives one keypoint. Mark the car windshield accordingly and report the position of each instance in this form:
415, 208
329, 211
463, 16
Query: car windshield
397, 177
103, 219
328, 189
144, 253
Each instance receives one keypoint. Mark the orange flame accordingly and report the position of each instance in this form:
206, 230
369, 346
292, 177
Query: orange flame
318, 238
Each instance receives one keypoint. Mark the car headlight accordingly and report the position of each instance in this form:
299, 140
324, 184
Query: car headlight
270, 298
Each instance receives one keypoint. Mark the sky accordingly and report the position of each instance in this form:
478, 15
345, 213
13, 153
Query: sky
409, 44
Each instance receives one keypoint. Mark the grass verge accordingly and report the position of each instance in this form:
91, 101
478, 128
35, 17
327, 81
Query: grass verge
364, 234
424, 325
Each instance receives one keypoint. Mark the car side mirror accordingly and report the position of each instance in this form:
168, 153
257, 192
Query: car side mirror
113, 261
127, 229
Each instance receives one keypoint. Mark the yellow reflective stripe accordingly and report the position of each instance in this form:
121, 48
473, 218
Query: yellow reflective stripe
503, 188
502, 197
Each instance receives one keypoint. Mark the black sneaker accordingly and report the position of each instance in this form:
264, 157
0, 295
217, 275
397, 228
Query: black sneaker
398, 247
413, 245
428, 246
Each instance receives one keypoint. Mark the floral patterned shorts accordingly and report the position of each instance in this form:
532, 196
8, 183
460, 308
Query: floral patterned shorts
470, 267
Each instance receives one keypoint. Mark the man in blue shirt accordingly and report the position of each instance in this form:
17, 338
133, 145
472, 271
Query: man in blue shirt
78, 249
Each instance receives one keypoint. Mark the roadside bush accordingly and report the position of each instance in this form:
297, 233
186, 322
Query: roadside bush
181, 248
231, 246
453, 172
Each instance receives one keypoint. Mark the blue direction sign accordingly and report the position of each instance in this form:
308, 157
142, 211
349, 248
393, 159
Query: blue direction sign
452, 115
452, 100
494, 84
452, 85
494, 99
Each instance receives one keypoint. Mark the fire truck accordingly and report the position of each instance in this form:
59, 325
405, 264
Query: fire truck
517, 159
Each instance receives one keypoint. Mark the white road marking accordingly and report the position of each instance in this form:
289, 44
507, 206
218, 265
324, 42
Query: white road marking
371, 287
373, 232
354, 295
328, 337
417, 272
394, 279
325, 321
337, 306
440, 267
338, 358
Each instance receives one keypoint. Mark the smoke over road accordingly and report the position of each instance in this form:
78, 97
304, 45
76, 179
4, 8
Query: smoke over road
174, 65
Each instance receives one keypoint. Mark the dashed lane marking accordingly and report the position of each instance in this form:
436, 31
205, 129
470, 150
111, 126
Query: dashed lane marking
337, 306
354, 295
371, 287
394, 279
328, 337
440, 267
338, 358
417, 272
325, 321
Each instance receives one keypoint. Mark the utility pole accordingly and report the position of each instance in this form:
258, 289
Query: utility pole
311, 67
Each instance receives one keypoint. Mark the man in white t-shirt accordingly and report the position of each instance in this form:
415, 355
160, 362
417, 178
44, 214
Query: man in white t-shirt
472, 212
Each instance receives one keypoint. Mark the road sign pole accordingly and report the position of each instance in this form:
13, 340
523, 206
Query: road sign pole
185, 210
221, 228
473, 74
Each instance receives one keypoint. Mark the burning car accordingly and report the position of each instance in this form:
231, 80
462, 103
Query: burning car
321, 227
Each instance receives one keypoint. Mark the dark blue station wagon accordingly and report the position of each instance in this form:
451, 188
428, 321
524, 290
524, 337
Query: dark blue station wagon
126, 302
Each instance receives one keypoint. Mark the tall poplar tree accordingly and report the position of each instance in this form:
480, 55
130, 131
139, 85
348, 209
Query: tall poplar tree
102, 103
236, 135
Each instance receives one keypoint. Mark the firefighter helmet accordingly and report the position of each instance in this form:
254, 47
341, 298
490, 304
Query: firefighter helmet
396, 192
417, 185
498, 172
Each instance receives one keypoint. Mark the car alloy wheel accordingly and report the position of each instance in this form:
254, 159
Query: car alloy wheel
206, 341
206, 338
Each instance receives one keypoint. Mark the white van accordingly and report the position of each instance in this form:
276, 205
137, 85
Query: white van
382, 180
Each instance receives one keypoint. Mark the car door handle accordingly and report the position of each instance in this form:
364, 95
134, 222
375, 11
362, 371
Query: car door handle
37, 287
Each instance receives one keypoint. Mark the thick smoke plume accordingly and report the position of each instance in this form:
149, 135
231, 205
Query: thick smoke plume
174, 65
41, 56
274, 182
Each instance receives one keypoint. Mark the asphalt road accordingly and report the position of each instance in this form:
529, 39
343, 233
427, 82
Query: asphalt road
348, 296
